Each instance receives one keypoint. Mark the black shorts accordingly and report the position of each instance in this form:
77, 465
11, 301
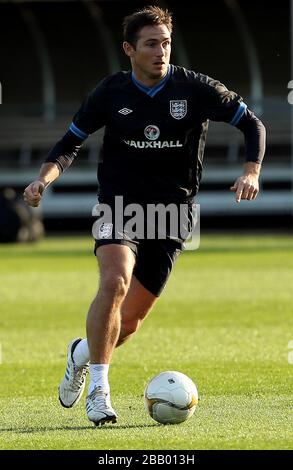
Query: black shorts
155, 258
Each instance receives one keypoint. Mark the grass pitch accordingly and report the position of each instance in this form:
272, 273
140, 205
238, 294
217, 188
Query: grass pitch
225, 319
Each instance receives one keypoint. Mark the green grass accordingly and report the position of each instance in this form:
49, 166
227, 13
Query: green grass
225, 319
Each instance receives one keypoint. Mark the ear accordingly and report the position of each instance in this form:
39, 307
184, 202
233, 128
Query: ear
128, 49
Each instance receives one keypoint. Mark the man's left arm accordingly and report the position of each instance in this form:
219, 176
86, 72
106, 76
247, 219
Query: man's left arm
247, 185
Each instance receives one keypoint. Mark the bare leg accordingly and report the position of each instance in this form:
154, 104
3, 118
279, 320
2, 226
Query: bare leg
135, 307
116, 264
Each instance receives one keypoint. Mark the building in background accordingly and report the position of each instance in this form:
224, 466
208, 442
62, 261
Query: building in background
53, 52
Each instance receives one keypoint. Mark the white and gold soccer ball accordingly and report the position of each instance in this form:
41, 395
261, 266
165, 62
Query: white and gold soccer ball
170, 397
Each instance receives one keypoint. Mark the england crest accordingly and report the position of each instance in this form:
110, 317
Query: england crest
178, 108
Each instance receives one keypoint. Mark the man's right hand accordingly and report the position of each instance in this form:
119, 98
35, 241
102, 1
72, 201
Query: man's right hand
33, 193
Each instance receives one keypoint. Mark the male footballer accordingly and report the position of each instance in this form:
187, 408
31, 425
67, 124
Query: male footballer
156, 119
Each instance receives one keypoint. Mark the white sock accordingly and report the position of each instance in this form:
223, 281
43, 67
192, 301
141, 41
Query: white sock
99, 377
81, 354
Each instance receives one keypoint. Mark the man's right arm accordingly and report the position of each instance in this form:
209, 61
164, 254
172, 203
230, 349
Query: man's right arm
89, 118
34, 191
59, 159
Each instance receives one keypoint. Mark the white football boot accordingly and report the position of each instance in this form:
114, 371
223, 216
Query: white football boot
98, 407
72, 386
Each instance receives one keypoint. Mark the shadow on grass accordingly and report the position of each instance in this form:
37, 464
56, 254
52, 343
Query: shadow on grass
47, 253
84, 253
232, 243
78, 428
243, 249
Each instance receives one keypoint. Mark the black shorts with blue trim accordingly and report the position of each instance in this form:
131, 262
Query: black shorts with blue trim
155, 258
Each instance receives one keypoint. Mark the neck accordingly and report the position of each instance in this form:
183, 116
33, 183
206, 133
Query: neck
147, 81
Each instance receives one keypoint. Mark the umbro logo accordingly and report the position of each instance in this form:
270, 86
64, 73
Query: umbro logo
125, 111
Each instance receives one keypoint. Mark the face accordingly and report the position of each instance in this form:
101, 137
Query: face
151, 56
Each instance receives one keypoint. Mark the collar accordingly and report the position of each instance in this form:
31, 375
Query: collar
155, 89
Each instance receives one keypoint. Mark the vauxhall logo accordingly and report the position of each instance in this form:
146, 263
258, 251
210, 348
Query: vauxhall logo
152, 133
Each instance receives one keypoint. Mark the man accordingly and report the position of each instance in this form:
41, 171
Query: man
155, 119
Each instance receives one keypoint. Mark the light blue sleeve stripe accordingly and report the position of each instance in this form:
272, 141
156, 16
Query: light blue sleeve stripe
78, 132
239, 113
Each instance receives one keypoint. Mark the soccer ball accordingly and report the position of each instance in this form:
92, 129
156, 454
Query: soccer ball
170, 397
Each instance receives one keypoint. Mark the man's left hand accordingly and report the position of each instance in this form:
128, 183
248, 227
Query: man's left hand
246, 187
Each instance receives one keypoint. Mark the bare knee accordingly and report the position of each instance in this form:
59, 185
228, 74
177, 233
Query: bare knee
129, 327
114, 285
116, 265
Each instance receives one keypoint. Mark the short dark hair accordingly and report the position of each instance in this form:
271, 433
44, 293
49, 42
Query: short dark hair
148, 16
